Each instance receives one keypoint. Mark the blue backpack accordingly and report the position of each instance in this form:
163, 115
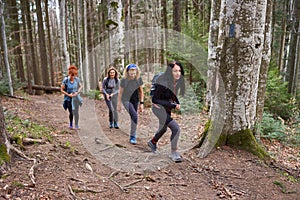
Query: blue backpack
153, 82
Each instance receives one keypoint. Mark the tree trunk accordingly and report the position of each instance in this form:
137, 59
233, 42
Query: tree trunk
26, 48
42, 45
263, 72
283, 37
45, 88
65, 53
177, 15
51, 66
4, 138
164, 25
85, 70
78, 28
116, 32
4, 47
16, 37
90, 40
127, 54
294, 46
234, 64
36, 70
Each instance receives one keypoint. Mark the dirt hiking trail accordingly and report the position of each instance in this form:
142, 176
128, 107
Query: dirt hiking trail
96, 162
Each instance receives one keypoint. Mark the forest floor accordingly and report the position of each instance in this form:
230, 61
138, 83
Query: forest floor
96, 162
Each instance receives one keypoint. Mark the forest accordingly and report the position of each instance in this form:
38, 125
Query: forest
239, 118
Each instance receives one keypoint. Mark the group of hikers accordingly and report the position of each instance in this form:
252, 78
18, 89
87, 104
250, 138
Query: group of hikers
129, 91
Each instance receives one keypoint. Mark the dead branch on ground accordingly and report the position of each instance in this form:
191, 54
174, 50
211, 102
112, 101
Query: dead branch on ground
72, 193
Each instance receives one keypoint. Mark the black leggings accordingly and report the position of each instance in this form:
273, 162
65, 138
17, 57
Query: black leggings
132, 110
165, 121
74, 113
112, 107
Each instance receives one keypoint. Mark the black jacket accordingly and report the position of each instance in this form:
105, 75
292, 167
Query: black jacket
165, 94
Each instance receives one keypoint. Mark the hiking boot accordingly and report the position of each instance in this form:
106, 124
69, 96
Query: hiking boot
152, 146
175, 156
70, 127
77, 127
132, 140
116, 125
111, 125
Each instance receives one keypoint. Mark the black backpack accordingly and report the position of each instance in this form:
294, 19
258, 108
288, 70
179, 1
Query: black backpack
107, 79
67, 80
153, 82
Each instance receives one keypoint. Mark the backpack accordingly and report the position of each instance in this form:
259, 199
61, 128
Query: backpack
107, 79
67, 80
153, 82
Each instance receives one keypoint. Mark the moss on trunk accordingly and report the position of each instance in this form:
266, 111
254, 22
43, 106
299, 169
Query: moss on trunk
245, 140
4, 157
242, 140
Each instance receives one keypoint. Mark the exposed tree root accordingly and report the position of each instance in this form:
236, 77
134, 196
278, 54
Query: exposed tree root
15, 97
20, 153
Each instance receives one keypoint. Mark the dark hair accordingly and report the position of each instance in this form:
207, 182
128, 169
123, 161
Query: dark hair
116, 72
168, 76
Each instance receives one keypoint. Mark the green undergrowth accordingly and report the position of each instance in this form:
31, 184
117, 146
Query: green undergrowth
24, 128
276, 129
94, 94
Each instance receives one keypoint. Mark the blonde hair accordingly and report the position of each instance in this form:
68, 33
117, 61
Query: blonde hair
125, 72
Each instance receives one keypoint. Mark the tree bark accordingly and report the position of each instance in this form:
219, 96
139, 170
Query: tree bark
42, 45
4, 138
4, 46
177, 15
78, 32
283, 37
235, 50
265, 61
294, 46
16, 37
164, 25
36, 70
45, 88
86, 73
90, 45
26, 47
49, 35
65, 52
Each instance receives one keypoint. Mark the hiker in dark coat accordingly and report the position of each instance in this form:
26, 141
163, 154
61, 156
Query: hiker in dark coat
163, 101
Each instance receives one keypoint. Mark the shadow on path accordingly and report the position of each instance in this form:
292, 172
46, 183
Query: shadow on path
119, 155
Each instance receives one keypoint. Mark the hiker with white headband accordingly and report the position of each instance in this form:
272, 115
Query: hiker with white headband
132, 96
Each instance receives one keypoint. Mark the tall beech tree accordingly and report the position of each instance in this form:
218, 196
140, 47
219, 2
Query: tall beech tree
239, 37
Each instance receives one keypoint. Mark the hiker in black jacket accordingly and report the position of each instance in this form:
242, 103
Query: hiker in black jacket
164, 100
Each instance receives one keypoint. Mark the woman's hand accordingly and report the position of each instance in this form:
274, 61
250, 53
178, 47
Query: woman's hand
74, 94
156, 106
119, 107
177, 107
107, 96
141, 109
